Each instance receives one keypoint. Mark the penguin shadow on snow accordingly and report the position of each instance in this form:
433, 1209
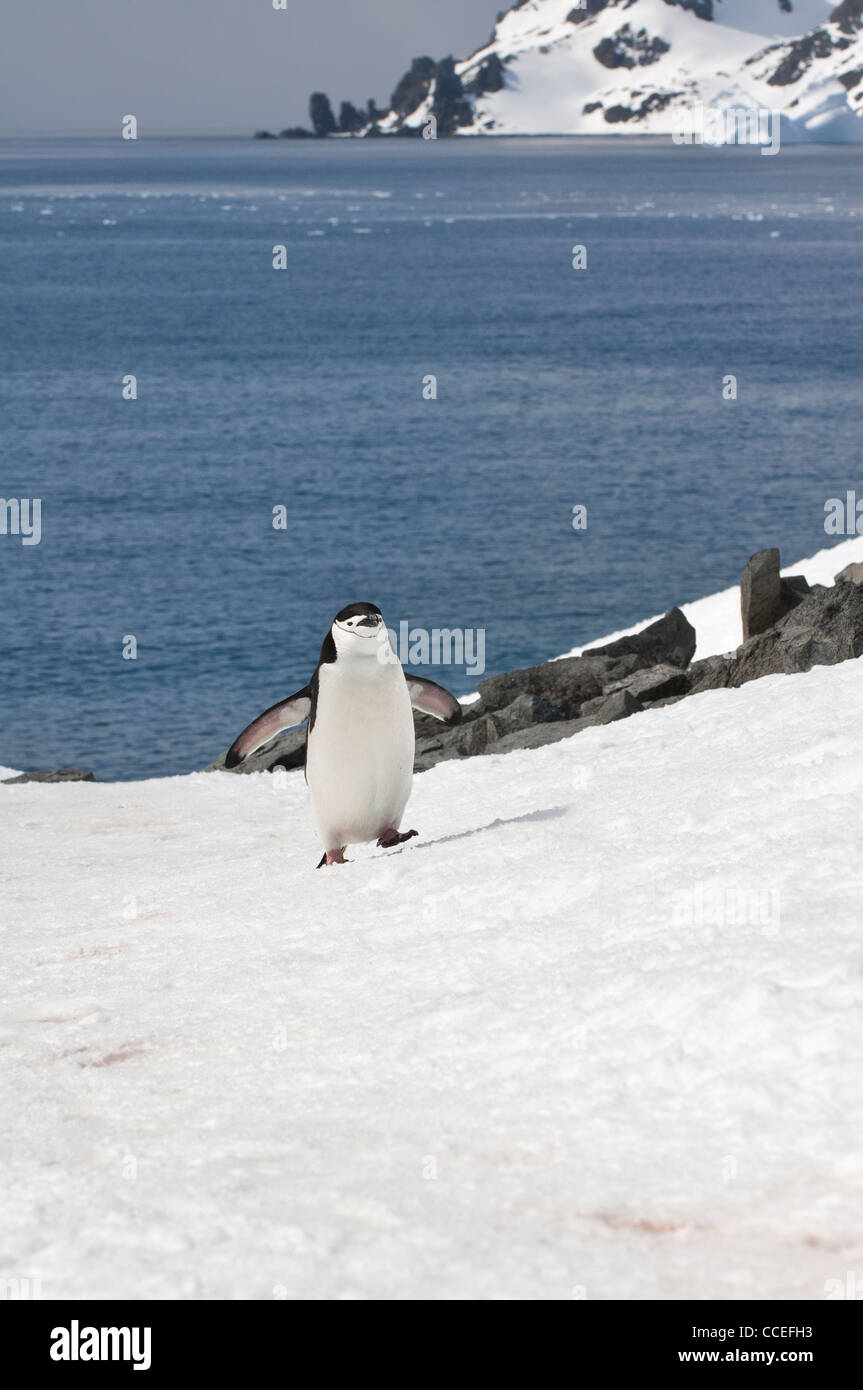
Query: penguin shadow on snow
551, 813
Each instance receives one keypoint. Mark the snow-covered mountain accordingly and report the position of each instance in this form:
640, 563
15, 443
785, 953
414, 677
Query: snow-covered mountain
633, 66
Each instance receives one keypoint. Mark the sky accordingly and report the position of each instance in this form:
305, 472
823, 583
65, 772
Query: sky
223, 66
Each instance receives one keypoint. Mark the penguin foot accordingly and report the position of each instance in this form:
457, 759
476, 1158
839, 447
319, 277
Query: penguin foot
392, 837
332, 856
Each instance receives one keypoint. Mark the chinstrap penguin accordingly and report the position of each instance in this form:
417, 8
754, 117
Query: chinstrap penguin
360, 739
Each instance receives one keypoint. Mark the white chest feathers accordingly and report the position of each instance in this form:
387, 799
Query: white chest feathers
360, 754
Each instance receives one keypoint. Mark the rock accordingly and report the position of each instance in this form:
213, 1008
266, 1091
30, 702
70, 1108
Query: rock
414, 87
852, 574
450, 108
538, 735
288, 750
826, 628
713, 673
321, 114
576, 679
656, 683
760, 593
426, 726
463, 741
62, 774
350, 119
620, 705
490, 77
605, 710
532, 709
670, 639
794, 588
823, 629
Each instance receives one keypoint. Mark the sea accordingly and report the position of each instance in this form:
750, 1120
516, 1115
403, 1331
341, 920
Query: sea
533, 389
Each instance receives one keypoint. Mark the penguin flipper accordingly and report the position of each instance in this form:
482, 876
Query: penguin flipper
430, 698
284, 715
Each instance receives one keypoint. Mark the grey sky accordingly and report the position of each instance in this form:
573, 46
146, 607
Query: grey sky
183, 66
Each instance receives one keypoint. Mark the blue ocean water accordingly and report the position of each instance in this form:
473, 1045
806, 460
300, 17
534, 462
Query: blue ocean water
302, 388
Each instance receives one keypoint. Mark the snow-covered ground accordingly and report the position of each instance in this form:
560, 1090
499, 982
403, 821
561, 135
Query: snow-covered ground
595, 1034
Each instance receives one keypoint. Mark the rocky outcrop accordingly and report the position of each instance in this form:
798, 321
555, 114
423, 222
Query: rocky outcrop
825, 628
321, 114
62, 774
542, 704
629, 48
791, 627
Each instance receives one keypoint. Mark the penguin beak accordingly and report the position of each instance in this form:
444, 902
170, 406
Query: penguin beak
370, 621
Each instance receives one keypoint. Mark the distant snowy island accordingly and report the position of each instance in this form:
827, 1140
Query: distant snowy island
591, 67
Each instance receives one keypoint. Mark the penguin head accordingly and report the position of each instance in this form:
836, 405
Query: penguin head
359, 630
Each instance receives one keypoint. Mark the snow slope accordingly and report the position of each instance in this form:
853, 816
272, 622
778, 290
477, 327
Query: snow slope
633, 66
594, 1035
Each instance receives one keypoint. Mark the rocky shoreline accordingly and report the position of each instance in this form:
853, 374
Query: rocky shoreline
788, 626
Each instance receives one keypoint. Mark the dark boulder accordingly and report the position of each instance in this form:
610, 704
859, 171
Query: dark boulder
538, 735
656, 683
532, 709
607, 709
760, 592
464, 741
671, 640
575, 678
712, 673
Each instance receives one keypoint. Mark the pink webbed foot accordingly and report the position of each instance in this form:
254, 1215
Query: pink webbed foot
332, 856
391, 837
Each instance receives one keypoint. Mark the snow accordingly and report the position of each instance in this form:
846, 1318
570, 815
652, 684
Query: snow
716, 618
552, 74
595, 1034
